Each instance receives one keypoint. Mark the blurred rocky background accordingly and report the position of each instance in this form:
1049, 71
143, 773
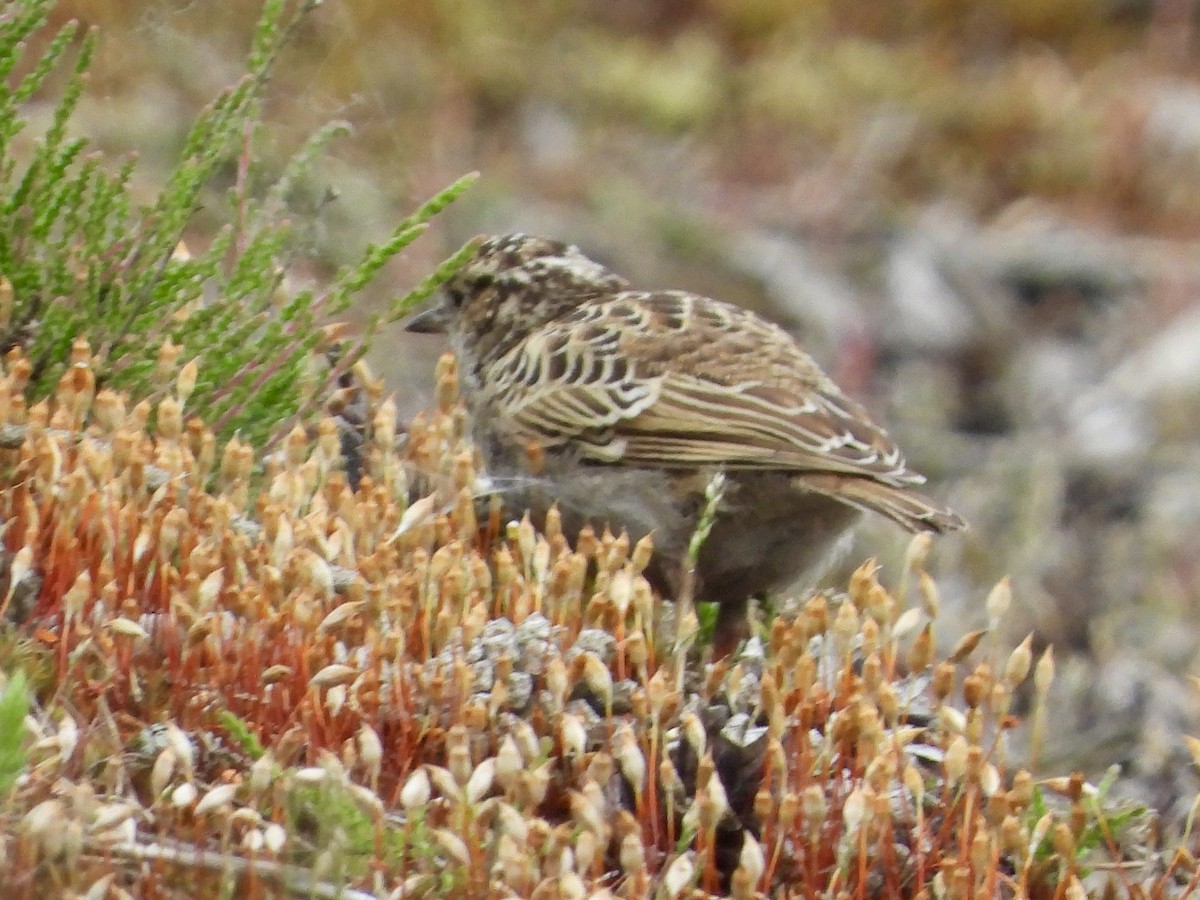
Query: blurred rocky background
982, 219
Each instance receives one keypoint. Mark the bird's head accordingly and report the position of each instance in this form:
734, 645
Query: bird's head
511, 285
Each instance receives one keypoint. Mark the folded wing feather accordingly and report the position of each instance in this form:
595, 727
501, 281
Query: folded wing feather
580, 383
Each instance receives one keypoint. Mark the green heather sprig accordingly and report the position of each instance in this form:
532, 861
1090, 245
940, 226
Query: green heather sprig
429, 285
14, 706
84, 261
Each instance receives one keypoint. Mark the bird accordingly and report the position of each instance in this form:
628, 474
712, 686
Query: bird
620, 405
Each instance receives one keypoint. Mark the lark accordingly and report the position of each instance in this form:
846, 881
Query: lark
620, 405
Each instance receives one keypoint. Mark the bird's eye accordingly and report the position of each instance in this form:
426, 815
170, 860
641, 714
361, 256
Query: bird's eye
457, 297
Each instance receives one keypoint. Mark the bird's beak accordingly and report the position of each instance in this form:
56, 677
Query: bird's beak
429, 321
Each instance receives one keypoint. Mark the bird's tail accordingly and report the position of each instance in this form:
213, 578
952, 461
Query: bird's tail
909, 509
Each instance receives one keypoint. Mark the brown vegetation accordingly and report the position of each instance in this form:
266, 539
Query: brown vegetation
297, 686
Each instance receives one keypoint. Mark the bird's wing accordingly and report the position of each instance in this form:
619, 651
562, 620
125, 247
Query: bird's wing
746, 424
569, 383
673, 379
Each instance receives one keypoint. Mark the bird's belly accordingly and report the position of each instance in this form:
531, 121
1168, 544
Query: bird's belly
769, 535
637, 501
772, 536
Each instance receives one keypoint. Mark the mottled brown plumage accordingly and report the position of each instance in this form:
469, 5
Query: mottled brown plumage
638, 397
